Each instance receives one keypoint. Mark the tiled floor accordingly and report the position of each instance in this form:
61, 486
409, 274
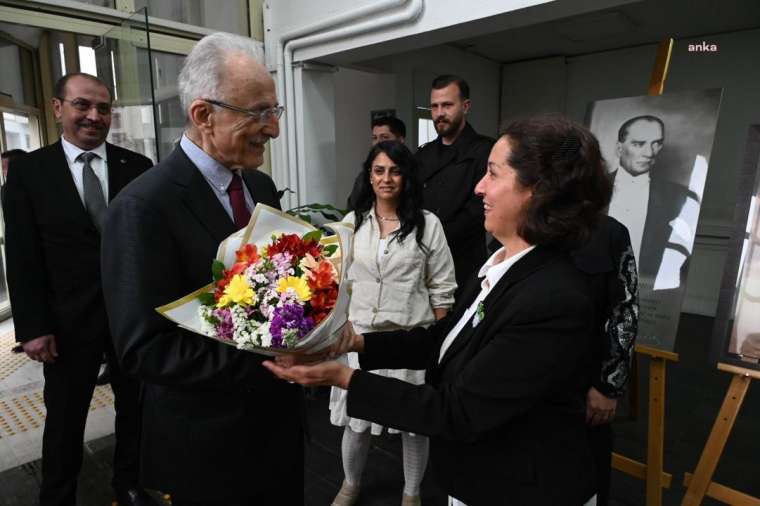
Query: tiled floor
22, 411
695, 390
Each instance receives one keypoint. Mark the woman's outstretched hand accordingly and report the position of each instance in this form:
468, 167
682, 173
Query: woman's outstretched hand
326, 373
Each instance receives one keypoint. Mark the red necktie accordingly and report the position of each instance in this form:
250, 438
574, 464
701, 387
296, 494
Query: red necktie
240, 211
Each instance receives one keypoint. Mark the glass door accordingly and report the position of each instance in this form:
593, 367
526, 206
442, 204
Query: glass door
19, 130
122, 58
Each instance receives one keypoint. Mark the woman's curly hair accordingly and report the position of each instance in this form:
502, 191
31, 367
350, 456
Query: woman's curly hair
561, 162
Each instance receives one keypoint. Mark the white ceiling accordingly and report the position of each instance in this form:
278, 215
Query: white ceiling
644, 22
631, 24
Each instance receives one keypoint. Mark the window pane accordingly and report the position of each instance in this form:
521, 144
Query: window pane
11, 81
171, 117
227, 16
21, 131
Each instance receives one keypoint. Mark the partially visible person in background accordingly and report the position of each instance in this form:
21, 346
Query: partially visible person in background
7, 157
450, 167
609, 261
387, 128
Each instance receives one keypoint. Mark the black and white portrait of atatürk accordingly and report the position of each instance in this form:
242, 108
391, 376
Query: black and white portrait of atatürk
657, 150
736, 338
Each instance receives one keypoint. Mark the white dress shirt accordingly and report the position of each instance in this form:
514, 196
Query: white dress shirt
491, 272
216, 175
630, 200
99, 166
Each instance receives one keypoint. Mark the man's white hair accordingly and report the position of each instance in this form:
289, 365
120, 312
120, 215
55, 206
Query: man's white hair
203, 70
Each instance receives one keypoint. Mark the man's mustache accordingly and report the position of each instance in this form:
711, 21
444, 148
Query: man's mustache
91, 124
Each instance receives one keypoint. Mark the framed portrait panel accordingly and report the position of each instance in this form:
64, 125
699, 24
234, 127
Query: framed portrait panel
657, 150
736, 336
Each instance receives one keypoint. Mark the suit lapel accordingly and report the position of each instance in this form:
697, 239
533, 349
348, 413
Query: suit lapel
442, 160
253, 189
198, 196
470, 292
118, 172
524, 267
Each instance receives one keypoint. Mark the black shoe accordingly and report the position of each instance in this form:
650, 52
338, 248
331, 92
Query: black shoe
135, 497
104, 377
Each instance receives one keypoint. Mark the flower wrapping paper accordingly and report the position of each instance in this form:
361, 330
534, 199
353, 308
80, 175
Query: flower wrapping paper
266, 222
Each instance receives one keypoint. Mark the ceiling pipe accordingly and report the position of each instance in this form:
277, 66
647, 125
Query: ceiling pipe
318, 33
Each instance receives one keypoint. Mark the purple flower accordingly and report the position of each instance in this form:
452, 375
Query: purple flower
225, 329
288, 325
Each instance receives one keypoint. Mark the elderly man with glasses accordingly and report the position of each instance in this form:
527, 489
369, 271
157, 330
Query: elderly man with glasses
218, 429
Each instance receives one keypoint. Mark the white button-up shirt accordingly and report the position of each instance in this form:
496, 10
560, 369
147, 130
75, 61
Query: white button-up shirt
630, 200
99, 166
491, 272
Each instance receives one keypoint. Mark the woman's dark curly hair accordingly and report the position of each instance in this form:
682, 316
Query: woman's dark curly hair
410, 201
561, 162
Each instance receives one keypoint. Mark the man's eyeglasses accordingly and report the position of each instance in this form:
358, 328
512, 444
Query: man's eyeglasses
267, 114
82, 105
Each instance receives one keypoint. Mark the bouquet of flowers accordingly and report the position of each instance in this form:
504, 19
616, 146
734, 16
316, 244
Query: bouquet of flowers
278, 286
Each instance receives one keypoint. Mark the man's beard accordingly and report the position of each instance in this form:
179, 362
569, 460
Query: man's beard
450, 127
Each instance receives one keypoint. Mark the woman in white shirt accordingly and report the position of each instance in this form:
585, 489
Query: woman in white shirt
402, 276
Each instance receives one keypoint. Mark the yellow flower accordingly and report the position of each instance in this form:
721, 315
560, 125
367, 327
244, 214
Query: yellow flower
299, 286
238, 291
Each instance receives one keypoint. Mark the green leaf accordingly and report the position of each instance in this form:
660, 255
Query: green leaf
217, 270
314, 235
331, 217
207, 299
305, 217
329, 250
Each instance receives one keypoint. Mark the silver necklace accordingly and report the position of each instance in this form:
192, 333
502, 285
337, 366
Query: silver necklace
383, 218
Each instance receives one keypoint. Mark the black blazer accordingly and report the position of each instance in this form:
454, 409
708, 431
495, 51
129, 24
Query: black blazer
209, 409
448, 188
53, 248
505, 407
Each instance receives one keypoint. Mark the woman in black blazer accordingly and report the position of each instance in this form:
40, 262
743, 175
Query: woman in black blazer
507, 370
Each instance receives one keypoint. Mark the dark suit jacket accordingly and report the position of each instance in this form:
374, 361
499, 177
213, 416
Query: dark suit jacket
448, 183
505, 407
53, 248
212, 414
666, 199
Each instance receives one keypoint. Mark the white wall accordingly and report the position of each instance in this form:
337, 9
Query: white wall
403, 85
357, 93
440, 21
569, 85
415, 71
317, 173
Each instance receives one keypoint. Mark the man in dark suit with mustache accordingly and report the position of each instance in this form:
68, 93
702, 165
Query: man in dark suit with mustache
55, 203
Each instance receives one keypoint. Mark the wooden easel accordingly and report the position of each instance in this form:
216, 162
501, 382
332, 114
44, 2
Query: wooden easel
700, 484
652, 471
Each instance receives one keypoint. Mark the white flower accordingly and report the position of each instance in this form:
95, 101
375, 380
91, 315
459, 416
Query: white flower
208, 328
263, 336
